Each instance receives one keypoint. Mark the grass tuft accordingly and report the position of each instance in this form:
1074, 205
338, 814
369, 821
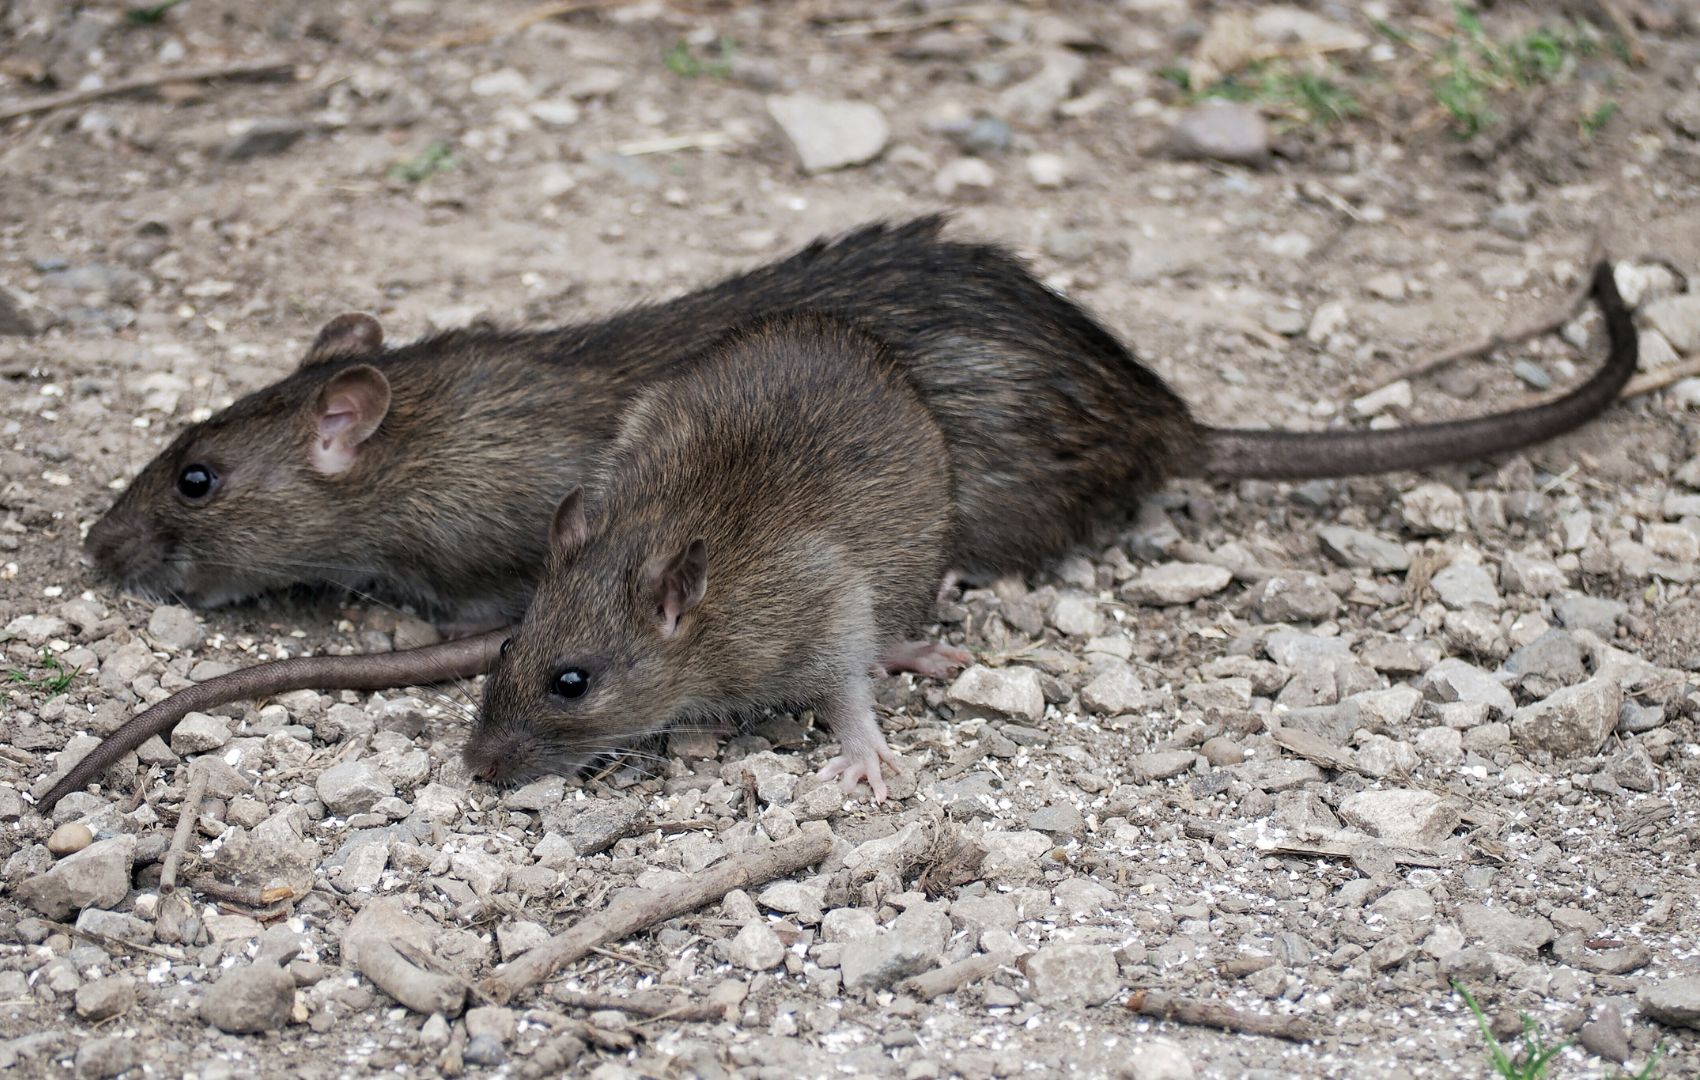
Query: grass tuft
56, 682
436, 158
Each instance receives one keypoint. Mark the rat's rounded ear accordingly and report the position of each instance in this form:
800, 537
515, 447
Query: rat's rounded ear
353, 334
569, 528
679, 584
349, 409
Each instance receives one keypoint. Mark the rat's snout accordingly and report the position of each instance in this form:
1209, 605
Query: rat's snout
124, 545
497, 757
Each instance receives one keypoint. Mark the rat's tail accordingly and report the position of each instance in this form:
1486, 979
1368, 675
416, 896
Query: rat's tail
456, 659
1234, 454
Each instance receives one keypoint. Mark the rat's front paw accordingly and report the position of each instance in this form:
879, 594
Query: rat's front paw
852, 769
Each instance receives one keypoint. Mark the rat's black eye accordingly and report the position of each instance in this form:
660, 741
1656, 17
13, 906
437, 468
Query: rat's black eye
196, 481
571, 683
507, 643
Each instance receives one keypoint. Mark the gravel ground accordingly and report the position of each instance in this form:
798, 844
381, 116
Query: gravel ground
1314, 752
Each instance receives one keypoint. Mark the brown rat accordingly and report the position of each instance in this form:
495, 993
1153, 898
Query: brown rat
766, 529
428, 471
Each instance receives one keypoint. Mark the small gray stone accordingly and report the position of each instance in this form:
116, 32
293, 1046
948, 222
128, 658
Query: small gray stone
174, 628
107, 1056
1059, 819
1454, 680
1221, 131
1556, 657
513, 938
1633, 768
493, 1021
97, 876
1073, 974
914, 942
1432, 510
1160, 765
1595, 613
1466, 584
1297, 598
197, 733
1673, 1001
261, 138
1502, 931
829, 134
1530, 576
996, 693
1115, 690
1677, 318
250, 998
1570, 722
1605, 1035
483, 1051
1402, 815
35, 630
756, 947
1362, 550
966, 176
1156, 1059
352, 787
1076, 615
1395, 656
103, 999
1177, 583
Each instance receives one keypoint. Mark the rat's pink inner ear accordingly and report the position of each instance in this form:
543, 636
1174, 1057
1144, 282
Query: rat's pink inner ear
681, 584
354, 333
350, 408
569, 528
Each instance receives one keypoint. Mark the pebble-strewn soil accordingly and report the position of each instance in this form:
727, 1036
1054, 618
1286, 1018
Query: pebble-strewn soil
1310, 751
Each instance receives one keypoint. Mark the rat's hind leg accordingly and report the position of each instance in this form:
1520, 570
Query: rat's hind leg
850, 711
929, 658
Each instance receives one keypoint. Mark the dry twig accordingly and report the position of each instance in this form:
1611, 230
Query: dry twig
1165, 1006
953, 977
187, 815
245, 69
638, 910
1652, 381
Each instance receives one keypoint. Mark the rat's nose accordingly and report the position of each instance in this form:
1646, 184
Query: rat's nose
119, 543
492, 759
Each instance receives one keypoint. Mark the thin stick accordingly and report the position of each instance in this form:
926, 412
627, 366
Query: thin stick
1546, 324
1652, 381
651, 1005
116, 943
644, 908
953, 977
1164, 1006
187, 815
245, 69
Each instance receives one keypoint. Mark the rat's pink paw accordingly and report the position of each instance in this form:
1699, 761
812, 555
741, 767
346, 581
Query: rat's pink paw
852, 769
928, 658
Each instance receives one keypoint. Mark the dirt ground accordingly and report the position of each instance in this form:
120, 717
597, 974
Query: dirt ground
163, 253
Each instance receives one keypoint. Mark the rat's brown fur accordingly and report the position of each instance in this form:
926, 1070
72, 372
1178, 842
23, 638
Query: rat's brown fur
800, 458
1046, 415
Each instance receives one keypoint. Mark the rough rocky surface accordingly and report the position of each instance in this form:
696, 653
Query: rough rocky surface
1314, 750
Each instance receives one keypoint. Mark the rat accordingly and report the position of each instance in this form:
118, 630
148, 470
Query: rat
428, 471
768, 529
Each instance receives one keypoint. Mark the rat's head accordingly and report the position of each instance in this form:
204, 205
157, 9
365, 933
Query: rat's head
232, 507
600, 660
